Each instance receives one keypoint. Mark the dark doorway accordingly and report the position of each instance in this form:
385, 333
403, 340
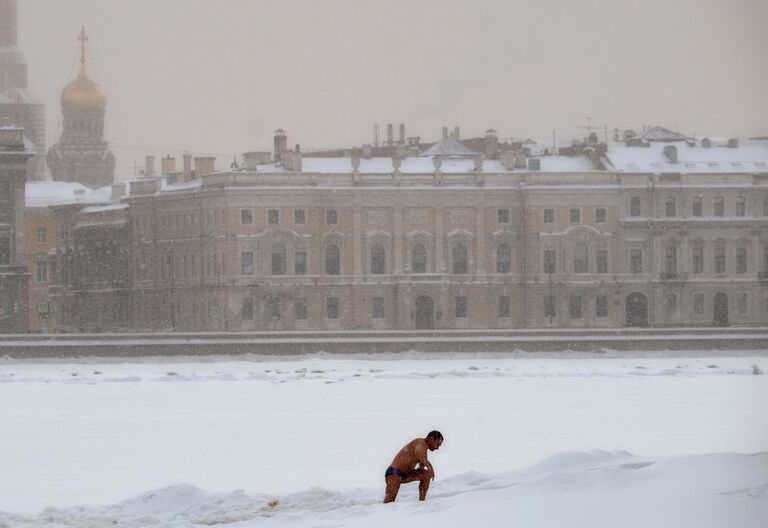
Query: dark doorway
637, 309
721, 309
425, 313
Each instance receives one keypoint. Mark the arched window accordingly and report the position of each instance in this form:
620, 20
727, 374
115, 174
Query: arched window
669, 206
459, 258
332, 260
580, 262
378, 259
503, 258
278, 260
419, 259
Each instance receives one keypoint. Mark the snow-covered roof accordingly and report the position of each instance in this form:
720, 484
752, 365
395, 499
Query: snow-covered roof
662, 134
746, 158
448, 147
46, 194
103, 208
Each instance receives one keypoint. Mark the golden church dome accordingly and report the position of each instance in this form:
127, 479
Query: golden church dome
83, 92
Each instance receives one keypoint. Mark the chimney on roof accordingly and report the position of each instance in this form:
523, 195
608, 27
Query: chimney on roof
670, 151
150, 167
401, 138
167, 165
733, 143
280, 144
445, 132
706, 143
204, 165
390, 135
491, 144
367, 151
456, 134
118, 190
186, 173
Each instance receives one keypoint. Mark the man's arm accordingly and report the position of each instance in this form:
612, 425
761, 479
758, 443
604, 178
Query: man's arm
421, 453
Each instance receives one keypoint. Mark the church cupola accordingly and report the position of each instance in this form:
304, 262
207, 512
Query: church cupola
82, 155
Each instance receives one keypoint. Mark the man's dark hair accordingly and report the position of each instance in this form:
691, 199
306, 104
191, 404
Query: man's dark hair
437, 435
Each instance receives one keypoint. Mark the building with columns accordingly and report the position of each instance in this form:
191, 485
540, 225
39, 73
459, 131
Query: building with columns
659, 230
16, 103
81, 154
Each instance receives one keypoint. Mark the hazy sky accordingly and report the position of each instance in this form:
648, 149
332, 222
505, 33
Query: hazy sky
219, 76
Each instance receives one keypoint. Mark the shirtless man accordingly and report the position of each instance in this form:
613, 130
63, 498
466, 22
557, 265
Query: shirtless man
403, 469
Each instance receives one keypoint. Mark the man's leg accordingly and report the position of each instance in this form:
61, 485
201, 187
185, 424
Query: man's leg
423, 487
393, 486
422, 475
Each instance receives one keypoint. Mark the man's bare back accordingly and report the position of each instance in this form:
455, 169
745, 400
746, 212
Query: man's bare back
411, 464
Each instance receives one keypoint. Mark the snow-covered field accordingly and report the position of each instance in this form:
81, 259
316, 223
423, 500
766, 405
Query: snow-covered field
529, 440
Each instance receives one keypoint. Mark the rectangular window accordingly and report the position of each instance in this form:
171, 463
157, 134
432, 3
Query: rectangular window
300, 309
549, 216
635, 208
273, 216
378, 308
698, 303
247, 309
549, 261
332, 308
461, 307
504, 306
246, 216
549, 306
42, 272
246, 263
574, 306
42, 235
670, 305
719, 206
741, 260
670, 260
300, 262
602, 261
331, 217
742, 303
601, 306
5, 251
719, 260
299, 216
698, 260
575, 216
274, 308
5, 190
502, 216
600, 215
670, 206
696, 206
741, 206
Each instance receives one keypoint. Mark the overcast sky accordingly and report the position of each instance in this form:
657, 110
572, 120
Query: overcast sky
219, 76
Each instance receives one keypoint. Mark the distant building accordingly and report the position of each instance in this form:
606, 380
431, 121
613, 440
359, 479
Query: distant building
81, 154
655, 231
48, 216
16, 104
15, 153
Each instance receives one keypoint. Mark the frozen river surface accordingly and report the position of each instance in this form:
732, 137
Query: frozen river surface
321, 431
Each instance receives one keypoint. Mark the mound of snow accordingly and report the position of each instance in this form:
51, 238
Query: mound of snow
592, 489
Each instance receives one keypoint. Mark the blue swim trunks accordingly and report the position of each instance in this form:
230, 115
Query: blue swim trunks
395, 471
